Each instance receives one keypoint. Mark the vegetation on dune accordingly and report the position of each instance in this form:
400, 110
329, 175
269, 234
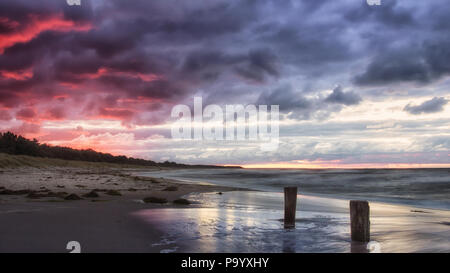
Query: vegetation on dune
18, 145
16, 161
13, 144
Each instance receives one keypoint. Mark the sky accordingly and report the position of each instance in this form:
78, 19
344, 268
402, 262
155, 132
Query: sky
356, 85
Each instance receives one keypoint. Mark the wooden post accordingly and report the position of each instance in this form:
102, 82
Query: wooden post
290, 206
359, 221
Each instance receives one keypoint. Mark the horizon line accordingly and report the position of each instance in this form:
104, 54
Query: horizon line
343, 166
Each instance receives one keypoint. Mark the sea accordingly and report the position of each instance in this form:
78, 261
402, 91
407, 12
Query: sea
429, 188
409, 211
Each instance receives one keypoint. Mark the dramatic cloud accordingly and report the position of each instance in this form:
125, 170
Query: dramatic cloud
430, 106
301, 107
421, 65
338, 96
399, 57
26, 114
4, 115
116, 68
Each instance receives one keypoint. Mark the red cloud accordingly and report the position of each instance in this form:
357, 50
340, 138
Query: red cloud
56, 113
17, 75
29, 130
26, 114
4, 115
114, 113
24, 33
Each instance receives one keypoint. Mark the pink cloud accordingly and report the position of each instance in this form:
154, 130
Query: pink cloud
27, 114
38, 24
55, 113
4, 115
17, 75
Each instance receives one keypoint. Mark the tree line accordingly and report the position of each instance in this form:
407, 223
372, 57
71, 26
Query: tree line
11, 143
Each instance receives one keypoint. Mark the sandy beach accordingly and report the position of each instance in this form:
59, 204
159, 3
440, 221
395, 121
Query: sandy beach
36, 216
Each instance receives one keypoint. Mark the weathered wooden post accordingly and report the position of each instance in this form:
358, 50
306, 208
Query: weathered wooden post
290, 206
359, 221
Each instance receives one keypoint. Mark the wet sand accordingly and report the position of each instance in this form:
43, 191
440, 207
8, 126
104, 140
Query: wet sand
252, 222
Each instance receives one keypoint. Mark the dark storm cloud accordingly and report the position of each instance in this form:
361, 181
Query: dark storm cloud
421, 65
260, 63
131, 61
430, 106
340, 97
189, 46
256, 45
201, 61
134, 42
286, 99
36, 51
394, 68
161, 89
254, 65
192, 20
308, 46
390, 13
20, 11
301, 107
413, 47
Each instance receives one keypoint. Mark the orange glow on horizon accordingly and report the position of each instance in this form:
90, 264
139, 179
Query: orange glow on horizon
324, 165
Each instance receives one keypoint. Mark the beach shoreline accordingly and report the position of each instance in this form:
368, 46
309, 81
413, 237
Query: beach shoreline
121, 223
36, 217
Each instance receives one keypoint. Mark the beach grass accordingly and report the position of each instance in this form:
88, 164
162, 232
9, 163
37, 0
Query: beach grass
19, 161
